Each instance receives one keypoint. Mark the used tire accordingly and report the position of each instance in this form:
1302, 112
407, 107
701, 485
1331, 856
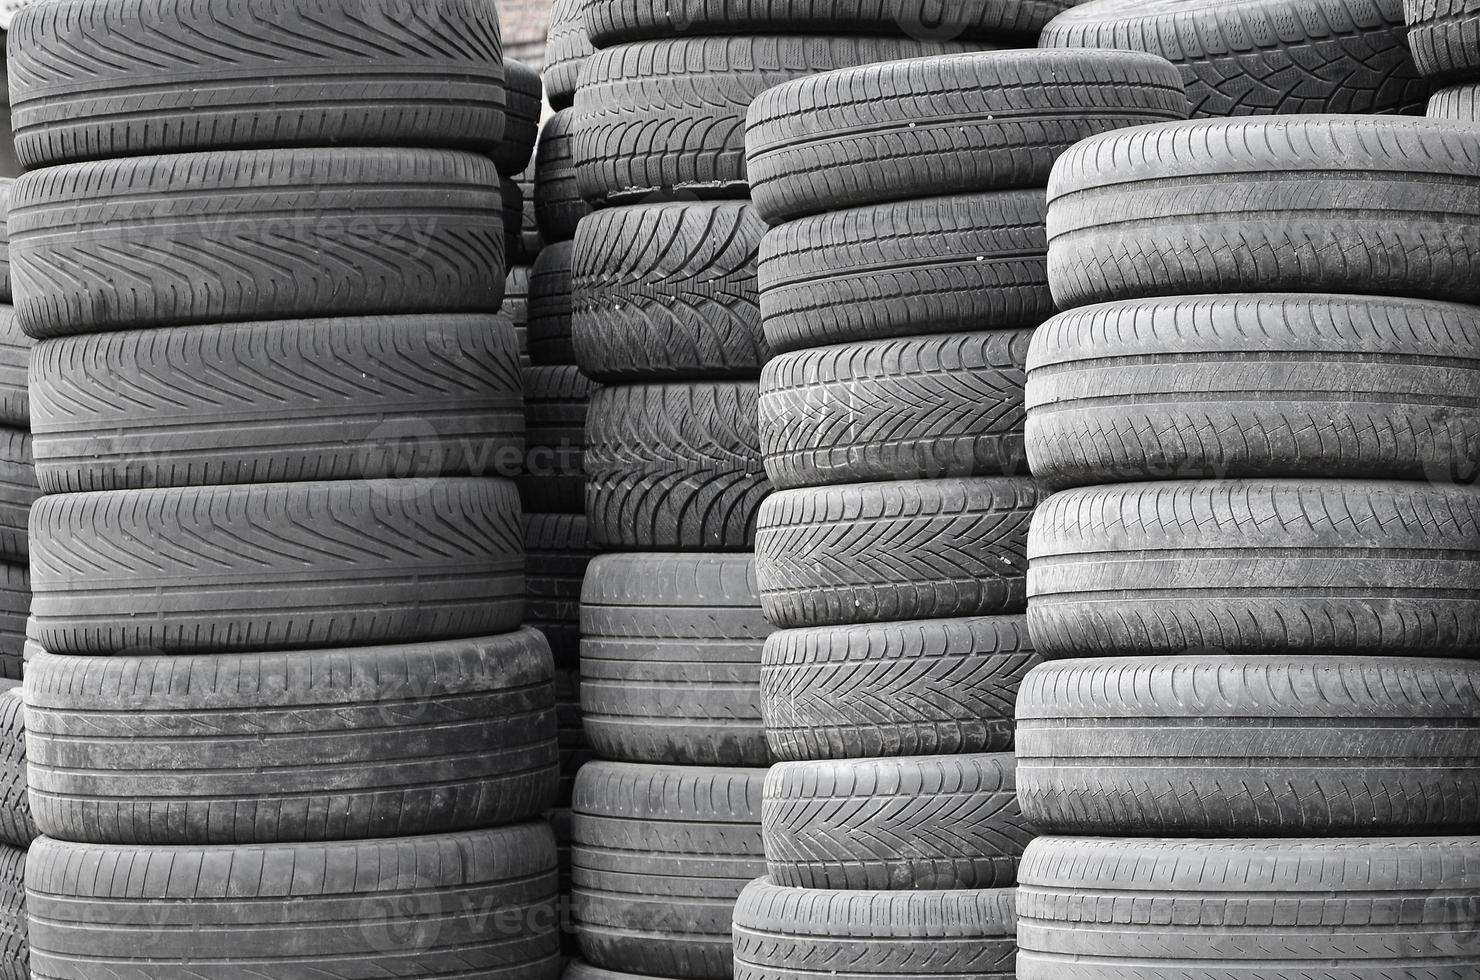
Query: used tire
581, 970
550, 306
558, 207
555, 403
1346, 567
130, 77
6, 186
17, 828
1443, 36
921, 823
18, 491
567, 49
1082, 909
523, 103
1269, 746
918, 687
1256, 385
926, 127
941, 406
796, 934
667, 292
670, 659
15, 608
416, 907
276, 566
1459, 103
15, 360
282, 401
15, 955
879, 552
516, 308
935, 265
557, 550
1259, 57
530, 242
674, 467
661, 853
1268, 205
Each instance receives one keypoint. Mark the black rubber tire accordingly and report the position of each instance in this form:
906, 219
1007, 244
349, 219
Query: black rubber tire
15, 610
669, 116
661, 853
276, 566
282, 401
530, 242
523, 105
941, 406
935, 265
15, 954
17, 829
962, 124
1261, 57
798, 934
516, 308
919, 823
1346, 567
550, 306
1458, 103
670, 659
511, 195
255, 235
879, 552
1269, 746
15, 362
1256, 385
556, 401
394, 741
558, 206
674, 467
667, 292
6, 185
1268, 205
415, 907
1243, 909
575, 751
567, 49
581, 970
127, 77
1444, 36
610, 22
557, 550
18, 491
917, 687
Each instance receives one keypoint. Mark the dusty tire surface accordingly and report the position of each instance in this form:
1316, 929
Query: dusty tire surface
17, 828
556, 401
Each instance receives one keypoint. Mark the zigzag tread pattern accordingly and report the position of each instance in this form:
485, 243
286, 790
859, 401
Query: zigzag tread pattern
17, 828
15, 954
567, 49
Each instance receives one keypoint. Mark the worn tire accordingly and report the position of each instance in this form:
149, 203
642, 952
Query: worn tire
917, 687
1458, 103
941, 406
1444, 36
1346, 567
1082, 909
556, 401
557, 550
796, 934
667, 292
516, 308
879, 552
558, 206
17, 828
919, 823
255, 235
15, 361
129, 77
933, 126
550, 306
15, 954
1268, 205
530, 242
15, 610
523, 104
661, 853
936, 265
567, 49
1255, 385
415, 907
276, 566
6, 186
581, 970
674, 467
18, 491
670, 659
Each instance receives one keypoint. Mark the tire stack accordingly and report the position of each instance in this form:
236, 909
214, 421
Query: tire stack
285, 715
18, 489
1445, 38
17, 831
1258, 583
900, 284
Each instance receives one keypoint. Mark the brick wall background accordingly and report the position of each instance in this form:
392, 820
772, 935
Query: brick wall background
524, 24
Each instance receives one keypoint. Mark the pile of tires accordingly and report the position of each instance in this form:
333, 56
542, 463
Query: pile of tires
281, 712
1258, 581
1445, 38
18, 487
901, 279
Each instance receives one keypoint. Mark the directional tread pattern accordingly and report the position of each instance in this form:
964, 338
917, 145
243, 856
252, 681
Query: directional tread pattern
15, 361
1445, 37
550, 305
523, 103
567, 49
557, 550
17, 829
1458, 103
558, 206
15, 955
555, 404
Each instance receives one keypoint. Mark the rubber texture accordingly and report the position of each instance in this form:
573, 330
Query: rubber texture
550, 306
920, 823
670, 659
415, 907
6, 186
669, 116
917, 687
674, 467
557, 550
18, 491
558, 207
935, 265
581, 970
511, 195
567, 49
1371, 205
523, 104
1081, 909
667, 292
129, 77
15, 608
795, 934
1261, 57
661, 853
941, 406
926, 127
555, 403
1347, 567
530, 242
17, 828
1458, 103
283, 401
15, 360
1256, 385
1443, 35
15, 954
879, 552
516, 308
276, 566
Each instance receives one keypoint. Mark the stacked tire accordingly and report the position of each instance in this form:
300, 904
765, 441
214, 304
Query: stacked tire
282, 712
1445, 38
1257, 583
18, 488
900, 283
